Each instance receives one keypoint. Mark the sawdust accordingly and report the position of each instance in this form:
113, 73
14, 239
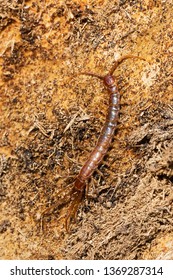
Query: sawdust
50, 120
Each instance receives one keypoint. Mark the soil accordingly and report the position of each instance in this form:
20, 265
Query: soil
50, 120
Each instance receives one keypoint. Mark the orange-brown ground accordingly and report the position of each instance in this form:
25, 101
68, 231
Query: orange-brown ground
50, 121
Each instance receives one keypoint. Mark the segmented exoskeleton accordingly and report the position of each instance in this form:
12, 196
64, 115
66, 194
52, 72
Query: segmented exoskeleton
76, 192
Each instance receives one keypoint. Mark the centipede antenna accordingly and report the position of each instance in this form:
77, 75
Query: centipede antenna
92, 75
121, 59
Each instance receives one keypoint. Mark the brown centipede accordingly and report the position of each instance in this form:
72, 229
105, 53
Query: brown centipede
76, 193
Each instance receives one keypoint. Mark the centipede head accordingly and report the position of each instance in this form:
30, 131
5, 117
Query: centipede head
109, 80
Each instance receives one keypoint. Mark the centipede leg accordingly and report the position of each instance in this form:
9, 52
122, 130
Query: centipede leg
86, 189
65, 197
121, 59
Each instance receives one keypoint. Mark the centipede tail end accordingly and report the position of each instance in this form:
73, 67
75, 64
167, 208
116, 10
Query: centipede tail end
76, 200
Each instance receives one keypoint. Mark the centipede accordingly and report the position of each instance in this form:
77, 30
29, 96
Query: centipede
76, 192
